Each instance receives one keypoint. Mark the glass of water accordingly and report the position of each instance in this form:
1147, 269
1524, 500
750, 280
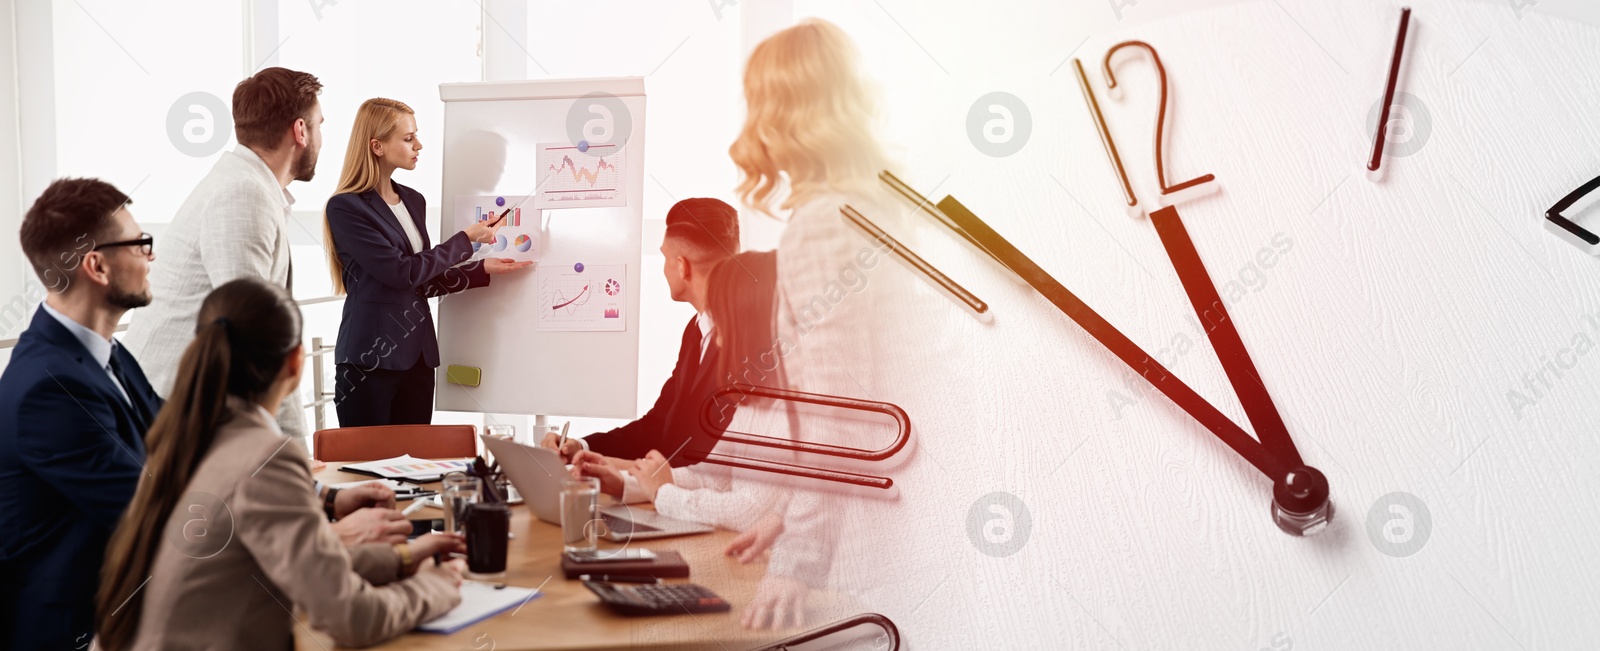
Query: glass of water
460, 490
580, 504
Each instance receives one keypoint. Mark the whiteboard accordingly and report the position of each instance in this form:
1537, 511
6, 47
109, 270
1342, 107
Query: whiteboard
492, 133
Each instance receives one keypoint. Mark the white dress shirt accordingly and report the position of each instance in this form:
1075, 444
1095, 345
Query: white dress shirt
704, 321
99, 347
407, 225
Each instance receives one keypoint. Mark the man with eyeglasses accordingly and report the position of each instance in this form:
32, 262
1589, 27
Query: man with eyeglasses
74, 408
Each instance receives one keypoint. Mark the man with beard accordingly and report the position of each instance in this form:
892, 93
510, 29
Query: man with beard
74, 408
236, 222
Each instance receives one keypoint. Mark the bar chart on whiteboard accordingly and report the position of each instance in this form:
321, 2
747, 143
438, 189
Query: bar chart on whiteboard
581, 175
518, 237
581, 298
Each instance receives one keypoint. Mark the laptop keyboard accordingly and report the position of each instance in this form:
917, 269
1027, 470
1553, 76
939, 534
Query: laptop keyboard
624, 527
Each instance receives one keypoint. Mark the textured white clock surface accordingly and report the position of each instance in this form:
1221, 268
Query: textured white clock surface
1423, 334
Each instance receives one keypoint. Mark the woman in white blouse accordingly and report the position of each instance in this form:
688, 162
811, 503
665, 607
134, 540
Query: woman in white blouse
378, 249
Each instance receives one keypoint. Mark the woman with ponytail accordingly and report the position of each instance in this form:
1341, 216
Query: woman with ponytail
223, 538
379, 253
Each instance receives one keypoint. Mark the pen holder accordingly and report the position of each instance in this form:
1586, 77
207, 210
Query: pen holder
488, 534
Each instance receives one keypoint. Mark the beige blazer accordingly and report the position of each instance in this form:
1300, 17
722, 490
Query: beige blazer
249, 543
234, 224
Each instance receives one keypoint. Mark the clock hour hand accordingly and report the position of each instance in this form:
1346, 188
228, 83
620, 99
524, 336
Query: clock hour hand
1300, 496
1109, 336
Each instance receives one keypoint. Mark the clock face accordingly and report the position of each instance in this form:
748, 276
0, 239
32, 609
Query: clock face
1429, 345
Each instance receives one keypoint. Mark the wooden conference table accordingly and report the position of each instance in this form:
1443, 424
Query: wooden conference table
566, 616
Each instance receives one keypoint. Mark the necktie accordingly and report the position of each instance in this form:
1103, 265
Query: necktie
139, 410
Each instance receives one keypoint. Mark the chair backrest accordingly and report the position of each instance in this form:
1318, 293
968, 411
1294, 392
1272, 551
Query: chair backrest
385, 441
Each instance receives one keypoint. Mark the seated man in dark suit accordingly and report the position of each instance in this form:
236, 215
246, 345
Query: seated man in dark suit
700, 233
74, 408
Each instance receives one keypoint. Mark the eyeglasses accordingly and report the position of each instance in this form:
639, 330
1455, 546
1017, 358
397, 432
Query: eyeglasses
146, 243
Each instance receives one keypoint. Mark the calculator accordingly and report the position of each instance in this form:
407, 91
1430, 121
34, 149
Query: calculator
658, 598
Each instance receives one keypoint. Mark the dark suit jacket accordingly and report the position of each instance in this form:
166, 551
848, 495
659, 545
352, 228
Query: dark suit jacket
71, 454
387, 322
675, 417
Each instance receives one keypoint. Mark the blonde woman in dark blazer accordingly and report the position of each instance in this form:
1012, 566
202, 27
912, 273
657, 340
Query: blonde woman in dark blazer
223, 540
380, 254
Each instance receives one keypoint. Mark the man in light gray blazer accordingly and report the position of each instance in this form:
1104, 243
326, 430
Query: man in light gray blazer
236, 222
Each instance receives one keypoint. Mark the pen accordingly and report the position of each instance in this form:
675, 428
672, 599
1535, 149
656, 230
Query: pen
563, 442
416, 505
614, 578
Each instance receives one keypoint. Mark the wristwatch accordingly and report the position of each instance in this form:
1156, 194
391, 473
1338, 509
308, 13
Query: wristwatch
327, 502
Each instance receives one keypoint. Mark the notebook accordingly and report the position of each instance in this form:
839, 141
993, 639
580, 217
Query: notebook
409, 468
479, 601
667, 564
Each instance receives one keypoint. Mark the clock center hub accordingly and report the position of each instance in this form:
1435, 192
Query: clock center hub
1300, 503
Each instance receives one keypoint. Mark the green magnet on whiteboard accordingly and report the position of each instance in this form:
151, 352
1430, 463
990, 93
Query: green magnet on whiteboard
467, 376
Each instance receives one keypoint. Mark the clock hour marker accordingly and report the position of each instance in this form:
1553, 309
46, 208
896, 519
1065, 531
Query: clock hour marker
1105, 133
1178, 192
1169, 194
1566, 229
953, 289
1374, 170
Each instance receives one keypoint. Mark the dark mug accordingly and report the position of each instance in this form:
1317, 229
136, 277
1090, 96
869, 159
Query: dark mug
488, 532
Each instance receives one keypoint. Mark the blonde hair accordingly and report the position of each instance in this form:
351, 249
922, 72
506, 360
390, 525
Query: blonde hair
375, 120
810, 116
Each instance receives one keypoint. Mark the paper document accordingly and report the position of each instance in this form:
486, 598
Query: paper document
578, 297
479, 601
409, 468
518, 237
580, 175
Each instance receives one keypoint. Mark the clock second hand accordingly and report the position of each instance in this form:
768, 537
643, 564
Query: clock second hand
1119, 344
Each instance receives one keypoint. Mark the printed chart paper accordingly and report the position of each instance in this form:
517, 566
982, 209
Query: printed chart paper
580, 176
518, 237
582, 298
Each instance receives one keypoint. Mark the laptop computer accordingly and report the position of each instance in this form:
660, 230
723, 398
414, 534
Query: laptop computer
537, 474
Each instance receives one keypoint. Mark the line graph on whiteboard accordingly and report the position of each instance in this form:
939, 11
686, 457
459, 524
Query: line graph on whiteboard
581, 298
581, 176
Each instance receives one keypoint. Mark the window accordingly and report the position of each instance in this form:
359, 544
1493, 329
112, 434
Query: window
138, 92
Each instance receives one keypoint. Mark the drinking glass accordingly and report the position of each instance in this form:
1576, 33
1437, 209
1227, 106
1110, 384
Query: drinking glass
580, 503
460, 490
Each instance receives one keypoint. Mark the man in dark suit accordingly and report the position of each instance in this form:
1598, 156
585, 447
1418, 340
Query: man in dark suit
74, 408
700, 233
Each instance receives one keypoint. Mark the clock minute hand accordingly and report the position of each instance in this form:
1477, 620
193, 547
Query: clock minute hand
1119, 344
1213, 315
